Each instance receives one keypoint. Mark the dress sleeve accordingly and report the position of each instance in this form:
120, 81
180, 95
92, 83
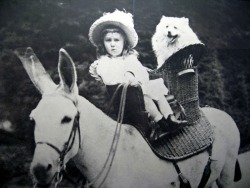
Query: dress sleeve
93, 72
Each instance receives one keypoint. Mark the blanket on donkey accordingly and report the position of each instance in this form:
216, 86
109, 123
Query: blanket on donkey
178, 146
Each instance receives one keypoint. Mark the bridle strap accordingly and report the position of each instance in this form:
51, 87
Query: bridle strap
72, 136
51, 145
67, 147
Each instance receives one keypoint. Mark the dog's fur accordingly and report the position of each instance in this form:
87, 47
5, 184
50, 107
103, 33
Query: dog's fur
171, 35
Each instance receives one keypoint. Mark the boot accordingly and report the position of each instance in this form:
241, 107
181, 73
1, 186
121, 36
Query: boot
170, 125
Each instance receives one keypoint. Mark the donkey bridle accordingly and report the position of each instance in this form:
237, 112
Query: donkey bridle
67, 147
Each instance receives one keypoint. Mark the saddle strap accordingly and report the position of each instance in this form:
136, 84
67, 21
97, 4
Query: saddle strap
207, 170
184, 183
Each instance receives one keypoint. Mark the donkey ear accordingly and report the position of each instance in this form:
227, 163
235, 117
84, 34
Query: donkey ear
40, 78
67, 72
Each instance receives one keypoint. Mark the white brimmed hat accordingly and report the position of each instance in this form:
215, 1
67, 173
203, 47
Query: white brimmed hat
120, 19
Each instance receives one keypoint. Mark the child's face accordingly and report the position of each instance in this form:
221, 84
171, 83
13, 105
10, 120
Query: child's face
114, 43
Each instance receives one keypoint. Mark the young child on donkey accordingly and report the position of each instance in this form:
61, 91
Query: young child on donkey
114, 37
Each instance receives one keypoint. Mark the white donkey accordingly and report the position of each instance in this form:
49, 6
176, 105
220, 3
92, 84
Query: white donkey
59, 137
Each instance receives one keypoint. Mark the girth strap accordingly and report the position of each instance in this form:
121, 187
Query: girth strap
184, 183
207, 170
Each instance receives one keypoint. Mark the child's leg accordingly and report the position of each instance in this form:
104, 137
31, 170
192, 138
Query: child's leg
168, 123
164, 107
152, 109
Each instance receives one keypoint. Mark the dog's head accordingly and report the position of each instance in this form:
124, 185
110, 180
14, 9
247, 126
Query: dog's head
172, 28
172, 35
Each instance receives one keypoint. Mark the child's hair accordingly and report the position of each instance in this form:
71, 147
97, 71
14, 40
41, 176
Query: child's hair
100, 49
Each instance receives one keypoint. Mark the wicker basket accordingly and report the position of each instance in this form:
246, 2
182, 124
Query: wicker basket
183, 86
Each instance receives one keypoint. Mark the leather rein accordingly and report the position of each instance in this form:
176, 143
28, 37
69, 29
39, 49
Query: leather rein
110, 158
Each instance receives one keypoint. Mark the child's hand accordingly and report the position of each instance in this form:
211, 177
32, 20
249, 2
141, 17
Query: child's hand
130, 78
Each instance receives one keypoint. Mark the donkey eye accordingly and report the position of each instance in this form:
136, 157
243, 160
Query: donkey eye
66, 119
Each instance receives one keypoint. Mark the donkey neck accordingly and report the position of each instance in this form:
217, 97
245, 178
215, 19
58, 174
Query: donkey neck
97, 131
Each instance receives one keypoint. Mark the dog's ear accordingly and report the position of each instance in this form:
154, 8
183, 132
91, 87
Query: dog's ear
163, 18
185, 20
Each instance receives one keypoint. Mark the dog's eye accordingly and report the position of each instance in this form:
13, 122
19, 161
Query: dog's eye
175, 27
166, 26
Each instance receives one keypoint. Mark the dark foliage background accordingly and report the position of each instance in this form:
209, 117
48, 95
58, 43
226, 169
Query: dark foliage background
48, 25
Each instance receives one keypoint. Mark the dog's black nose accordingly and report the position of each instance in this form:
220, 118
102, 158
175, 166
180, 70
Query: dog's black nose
169, 34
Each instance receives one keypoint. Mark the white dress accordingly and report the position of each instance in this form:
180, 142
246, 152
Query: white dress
111, 71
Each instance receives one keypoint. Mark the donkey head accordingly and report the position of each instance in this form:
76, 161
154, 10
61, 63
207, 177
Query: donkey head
57, 134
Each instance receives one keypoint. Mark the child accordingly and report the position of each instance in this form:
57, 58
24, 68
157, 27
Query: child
114, 37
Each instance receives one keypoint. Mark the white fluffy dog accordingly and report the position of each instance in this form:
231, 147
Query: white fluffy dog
171, 35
